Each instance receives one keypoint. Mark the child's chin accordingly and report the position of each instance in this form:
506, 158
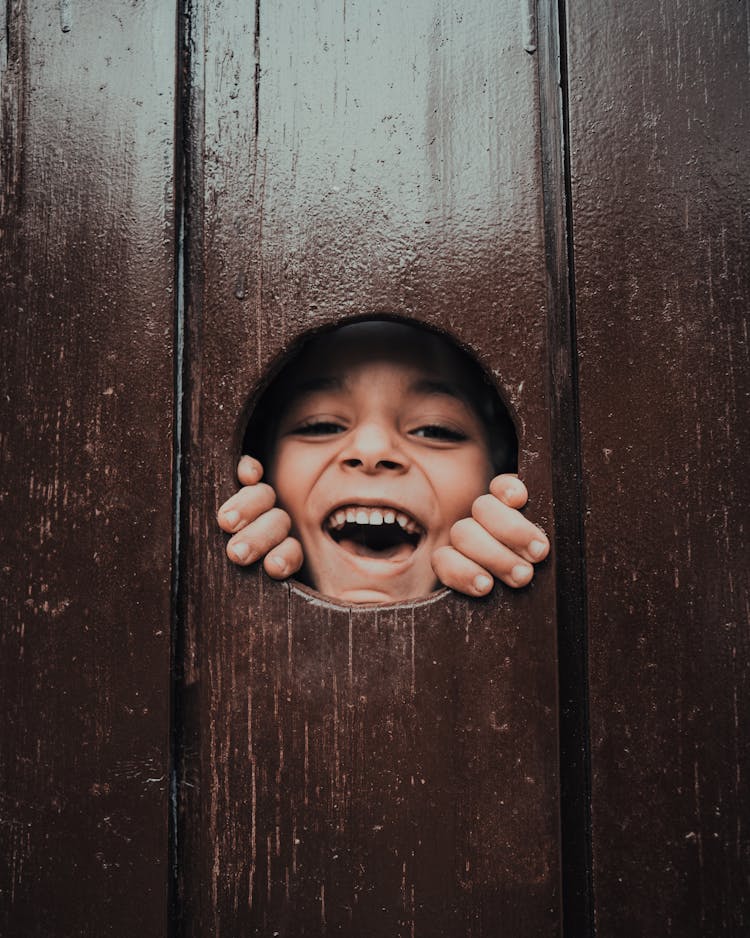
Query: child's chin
356, 597
356, 580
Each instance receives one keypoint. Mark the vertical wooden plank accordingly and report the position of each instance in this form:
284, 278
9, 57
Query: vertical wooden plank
568, 556
87, 284
384, 772
659, 131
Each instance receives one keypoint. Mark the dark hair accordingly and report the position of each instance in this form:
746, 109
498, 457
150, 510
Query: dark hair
475, 385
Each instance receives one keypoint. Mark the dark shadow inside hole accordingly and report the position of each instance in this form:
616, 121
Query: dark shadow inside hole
333, 366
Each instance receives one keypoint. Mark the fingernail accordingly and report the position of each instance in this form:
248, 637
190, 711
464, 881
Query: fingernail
482, 584
520, 574
278, 562
231, 517
247, 464
240, 551
537, 548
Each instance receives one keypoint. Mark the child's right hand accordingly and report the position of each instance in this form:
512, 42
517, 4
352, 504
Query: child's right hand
259, 529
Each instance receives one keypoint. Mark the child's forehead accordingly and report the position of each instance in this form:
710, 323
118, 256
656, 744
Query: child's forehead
409, 390
424, 362
402, 375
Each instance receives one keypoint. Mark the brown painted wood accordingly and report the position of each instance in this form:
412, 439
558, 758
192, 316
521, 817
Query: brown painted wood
658, 116
382, 772
568, 556
87, 274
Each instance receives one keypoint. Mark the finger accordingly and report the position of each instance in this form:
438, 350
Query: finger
474, 542
249, 470
510, 490
245, 506
509, 527
284, 560
458, 572
258, 538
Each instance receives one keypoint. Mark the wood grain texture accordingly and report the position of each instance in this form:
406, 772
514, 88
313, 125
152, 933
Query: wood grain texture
86, 347
659, 131
382, 772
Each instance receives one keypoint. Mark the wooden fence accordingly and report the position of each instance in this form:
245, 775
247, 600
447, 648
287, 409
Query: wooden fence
189, 749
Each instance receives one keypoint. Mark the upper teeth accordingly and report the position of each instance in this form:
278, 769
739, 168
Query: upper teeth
360, 514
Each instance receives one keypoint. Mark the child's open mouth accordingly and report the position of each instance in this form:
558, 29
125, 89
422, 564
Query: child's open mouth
381, 532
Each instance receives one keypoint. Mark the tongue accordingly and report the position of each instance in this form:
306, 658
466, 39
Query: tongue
394, 552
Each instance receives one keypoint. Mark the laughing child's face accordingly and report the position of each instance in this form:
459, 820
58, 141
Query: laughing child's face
378, 452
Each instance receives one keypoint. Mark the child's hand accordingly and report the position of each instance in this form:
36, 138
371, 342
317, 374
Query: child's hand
259, 529
496, 541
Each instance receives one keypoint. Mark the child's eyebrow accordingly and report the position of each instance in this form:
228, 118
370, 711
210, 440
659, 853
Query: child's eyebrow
433, 386
319, 383
293, 394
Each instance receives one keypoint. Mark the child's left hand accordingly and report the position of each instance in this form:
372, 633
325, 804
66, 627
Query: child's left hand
260, 529
496, 541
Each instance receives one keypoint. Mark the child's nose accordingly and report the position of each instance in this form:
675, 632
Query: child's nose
373, 447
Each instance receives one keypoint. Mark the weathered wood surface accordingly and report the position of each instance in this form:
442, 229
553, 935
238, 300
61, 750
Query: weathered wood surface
86, 348
659, 128
379, 772
387, 772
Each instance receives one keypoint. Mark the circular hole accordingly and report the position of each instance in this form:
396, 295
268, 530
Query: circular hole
377, 436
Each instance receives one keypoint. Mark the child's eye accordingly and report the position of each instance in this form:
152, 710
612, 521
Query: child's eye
435, 431
319, 428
